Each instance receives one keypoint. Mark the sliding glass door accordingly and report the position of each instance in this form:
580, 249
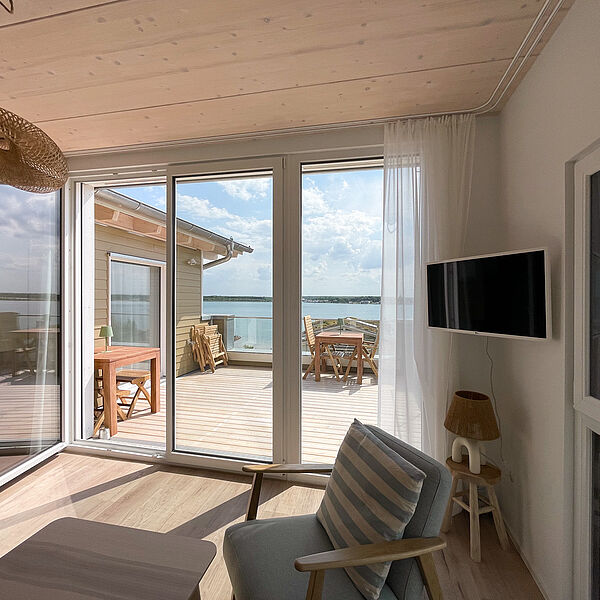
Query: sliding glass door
225, 357
30, 325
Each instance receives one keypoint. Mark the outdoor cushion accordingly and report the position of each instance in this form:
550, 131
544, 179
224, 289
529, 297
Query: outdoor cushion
260, 559
370, 497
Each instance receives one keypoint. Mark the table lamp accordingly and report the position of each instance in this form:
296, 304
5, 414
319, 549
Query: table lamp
106, 332
471, 417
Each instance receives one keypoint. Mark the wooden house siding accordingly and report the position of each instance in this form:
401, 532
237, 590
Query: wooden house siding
188, 290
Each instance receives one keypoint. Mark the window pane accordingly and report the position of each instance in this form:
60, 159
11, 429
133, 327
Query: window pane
135, 304
30, 403
341, 283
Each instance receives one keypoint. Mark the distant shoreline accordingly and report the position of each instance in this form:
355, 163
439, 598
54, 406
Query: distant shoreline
307, 299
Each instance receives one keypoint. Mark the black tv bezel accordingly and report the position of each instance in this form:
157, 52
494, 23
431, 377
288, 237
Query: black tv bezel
547, 295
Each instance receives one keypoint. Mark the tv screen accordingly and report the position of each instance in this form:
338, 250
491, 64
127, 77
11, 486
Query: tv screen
502, 294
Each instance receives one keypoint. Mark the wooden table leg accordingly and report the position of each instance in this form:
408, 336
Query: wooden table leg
109, 391
317, 360
154, 385
474, 522
359, 364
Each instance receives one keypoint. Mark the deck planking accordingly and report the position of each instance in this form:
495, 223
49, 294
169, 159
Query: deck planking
230, 412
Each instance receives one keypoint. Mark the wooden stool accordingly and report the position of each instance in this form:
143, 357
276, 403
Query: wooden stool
488, 478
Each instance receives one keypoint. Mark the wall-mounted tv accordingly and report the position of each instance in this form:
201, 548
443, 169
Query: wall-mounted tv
506, 294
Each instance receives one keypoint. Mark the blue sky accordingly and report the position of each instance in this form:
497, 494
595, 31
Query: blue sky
341, 230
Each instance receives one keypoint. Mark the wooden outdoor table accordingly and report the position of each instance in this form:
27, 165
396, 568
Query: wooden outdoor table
345, 337
75, 559
120, 356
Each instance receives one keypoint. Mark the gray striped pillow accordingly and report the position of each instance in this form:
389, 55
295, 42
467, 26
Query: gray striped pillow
371, 496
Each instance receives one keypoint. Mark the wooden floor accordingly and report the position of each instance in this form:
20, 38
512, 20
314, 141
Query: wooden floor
230, 412
201, 504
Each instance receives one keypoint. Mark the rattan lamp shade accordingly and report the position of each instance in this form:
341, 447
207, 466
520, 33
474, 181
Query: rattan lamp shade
471, 415
29, 159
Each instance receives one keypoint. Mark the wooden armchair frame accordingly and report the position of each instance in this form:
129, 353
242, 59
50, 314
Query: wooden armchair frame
317, 564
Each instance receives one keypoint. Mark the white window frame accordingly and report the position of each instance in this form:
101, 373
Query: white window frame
587, 408
146, 262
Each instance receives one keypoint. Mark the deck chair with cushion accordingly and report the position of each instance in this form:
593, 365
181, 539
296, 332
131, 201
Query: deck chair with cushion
294, 557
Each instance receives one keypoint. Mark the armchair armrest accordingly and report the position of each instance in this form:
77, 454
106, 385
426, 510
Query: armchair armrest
274, 468
420, 548
367, 554
258, 472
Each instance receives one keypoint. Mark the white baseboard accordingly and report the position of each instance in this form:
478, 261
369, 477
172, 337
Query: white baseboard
526, 561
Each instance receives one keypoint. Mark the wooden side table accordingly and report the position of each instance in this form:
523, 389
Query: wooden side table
488, 478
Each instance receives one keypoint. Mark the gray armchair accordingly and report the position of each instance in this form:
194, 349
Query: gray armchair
292, 557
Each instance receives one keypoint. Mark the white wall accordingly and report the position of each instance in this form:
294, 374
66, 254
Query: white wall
551, 118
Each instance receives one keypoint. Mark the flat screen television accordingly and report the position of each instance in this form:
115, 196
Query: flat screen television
506, 295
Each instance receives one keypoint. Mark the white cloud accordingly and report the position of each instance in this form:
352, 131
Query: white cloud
247, 189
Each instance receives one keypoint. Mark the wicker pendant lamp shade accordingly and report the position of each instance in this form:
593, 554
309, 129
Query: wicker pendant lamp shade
29, 159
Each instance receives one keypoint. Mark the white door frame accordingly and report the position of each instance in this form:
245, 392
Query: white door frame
104, 170
274, 165
587, 408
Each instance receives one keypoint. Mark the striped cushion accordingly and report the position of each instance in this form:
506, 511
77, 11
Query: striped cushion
371, 496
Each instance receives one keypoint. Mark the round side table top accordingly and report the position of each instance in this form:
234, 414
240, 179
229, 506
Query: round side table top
489, 475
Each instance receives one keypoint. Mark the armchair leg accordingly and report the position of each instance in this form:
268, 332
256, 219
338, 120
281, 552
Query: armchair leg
254, 497
315, 585
430, 578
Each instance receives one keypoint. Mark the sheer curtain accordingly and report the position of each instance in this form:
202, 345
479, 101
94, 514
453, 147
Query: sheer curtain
427, 182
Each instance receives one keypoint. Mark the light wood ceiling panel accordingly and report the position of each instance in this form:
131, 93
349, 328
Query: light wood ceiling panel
137, 71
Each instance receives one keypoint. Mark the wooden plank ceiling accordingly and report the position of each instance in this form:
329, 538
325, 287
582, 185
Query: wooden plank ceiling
99, 74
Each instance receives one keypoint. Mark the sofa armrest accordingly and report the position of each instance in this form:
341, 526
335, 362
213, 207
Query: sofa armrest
283, 468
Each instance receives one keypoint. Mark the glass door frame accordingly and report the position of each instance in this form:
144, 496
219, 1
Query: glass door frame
152, 166
230, 167
66, 239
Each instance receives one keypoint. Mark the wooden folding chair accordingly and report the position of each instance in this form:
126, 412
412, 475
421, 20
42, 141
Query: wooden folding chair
138, 378
334, 356
214, 349
369, 350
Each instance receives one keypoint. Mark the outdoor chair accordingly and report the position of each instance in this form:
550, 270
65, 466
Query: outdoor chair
137, 378
334, 356
293, 557
208, 346
369, 351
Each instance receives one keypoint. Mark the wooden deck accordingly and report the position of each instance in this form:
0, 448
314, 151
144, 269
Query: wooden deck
229, 412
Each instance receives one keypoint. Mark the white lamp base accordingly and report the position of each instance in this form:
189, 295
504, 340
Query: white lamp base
474, 448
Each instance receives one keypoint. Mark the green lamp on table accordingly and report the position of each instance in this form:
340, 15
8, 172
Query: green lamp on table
106, 332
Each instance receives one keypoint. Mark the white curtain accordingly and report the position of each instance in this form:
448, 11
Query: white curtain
427, 183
